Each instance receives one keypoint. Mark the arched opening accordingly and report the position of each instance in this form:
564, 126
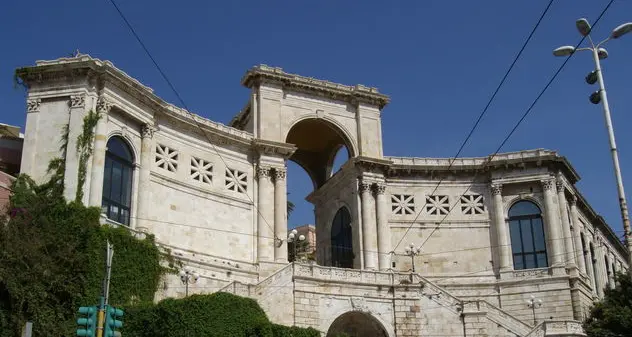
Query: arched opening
527, 236
322, 148
341, 240
116, 201
356, 324
317, 142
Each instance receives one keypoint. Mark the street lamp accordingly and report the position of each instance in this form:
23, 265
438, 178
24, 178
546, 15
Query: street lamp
599, 96
412, 251
291, 238
188, 276
532, 303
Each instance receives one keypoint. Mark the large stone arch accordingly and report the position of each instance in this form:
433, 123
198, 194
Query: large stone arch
357, 324
317, 141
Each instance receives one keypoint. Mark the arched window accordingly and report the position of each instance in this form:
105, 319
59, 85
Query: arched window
341, 244
527, 236
117, 181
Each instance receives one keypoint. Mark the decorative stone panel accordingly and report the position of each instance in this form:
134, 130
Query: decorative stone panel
437, 204
201, 170
166, 158
236, 181
472, 204
403, 204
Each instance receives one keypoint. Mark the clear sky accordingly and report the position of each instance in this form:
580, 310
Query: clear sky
438, 60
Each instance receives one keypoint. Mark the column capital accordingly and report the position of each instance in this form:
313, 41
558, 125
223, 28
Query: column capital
364, 186
77, 101
103, 105
379, 188
497, 189
33, 105
263, 172
147, 131
279, 173
572, 200
559, 184
547, 184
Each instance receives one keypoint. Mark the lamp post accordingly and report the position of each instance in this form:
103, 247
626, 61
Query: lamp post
188, 276
596, 97
412, 251
533, 303
291, 238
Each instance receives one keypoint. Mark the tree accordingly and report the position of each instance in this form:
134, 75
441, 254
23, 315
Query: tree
612, 317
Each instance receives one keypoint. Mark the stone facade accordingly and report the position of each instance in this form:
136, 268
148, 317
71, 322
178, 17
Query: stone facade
216, 196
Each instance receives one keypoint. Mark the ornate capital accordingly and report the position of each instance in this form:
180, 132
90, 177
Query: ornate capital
572, 200
279, 173
497, 189
379, 188
147, 131
33, 105
547, 184
364, 187
77, 101
559, 185
103, 105
263, 172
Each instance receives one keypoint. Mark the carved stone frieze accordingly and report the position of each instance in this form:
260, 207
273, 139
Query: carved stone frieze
359, 304
33, 105
77, 101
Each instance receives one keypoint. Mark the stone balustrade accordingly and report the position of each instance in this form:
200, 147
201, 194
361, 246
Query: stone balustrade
557, 328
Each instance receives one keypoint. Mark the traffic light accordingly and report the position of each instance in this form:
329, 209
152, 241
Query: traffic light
87, 321
113, 321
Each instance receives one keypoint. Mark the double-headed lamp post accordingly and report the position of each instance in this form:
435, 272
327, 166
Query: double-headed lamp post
600, 53
533, 303
412, 251
188, 276
291, 238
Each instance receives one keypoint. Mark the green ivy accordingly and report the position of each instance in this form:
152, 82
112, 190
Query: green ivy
84, 149
216, 315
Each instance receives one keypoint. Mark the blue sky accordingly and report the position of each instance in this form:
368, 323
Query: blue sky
438, 60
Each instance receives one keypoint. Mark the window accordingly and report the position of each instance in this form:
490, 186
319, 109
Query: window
341, 244
117, 181
527, 236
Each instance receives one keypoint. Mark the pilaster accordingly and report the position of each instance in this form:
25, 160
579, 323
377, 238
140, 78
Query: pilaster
590, 267
383, 231
77, 104
501, 229
554, 230
369, 235
98, 154
265, 230
577, 229
144, 190
280, 213
566, 226
31, 131
611, 279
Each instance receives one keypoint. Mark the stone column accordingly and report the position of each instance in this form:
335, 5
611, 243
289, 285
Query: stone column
265, 235
577, 229
599, 267
369, 235
144, 189
280, 213
611, 262
501, 229
77, 105
589, 266
98, 154
383, 231
566, 226
554, 230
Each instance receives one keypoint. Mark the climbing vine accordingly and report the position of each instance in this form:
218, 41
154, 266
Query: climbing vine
84, 149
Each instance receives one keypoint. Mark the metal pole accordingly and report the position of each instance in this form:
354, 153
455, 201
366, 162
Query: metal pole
412, 256
535, 322
186, 285
615, 159
110, 254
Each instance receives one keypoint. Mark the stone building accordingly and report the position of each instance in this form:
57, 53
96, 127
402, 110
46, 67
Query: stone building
495, 230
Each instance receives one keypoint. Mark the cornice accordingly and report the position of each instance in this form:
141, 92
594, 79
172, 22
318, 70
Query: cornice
70, 68
358, 93
271, 148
